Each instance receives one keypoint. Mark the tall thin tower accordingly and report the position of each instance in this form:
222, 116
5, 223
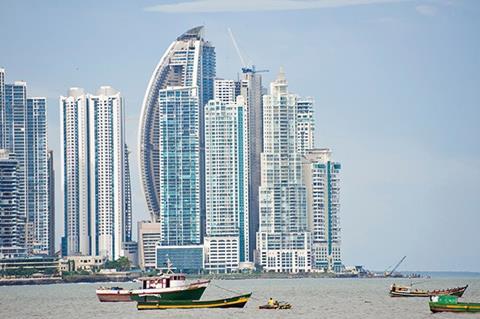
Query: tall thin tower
51, 204
75, 173
172, 138
322, 180
37, 175
226, 152
283, 242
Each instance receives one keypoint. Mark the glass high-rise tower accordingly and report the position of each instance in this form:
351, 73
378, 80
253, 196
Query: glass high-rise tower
37, 176
15, 139
23, 132
172, 138
12, 232
226, 171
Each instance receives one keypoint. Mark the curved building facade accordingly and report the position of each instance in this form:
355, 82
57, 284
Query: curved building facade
172, 137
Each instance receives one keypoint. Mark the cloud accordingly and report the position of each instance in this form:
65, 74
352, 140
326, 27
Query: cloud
426, 10
190, 6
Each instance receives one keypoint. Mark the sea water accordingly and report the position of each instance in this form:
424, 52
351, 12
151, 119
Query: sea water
310, 298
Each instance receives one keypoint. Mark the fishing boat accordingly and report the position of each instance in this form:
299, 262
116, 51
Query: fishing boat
408, 291
451, 304
169, 285
160, 303
279, 306
173, 287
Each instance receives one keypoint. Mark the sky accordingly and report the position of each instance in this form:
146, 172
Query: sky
396, 87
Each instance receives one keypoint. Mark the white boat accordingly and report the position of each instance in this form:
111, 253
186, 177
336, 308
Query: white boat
169, 286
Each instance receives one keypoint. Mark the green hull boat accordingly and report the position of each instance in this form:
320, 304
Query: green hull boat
159, 303
451, 304
187, 294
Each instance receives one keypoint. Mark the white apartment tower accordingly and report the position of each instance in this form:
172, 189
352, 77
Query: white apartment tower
283, 242
225, 90
75, 173
305, 125
93, 157
226, 185
250, 87
107, 169
321, 177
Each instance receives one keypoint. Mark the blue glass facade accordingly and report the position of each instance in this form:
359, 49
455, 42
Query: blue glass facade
172, 138
226, 172
23, 132
11, 234
37, 174
15, 139
186, 259
179, 167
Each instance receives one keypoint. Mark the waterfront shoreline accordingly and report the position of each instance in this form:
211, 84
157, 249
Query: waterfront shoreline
69, 279
129, 277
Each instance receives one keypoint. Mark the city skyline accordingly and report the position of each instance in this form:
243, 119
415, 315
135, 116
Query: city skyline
344, 132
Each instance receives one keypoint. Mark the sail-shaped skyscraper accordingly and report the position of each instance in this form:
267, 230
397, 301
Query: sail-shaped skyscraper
172, 138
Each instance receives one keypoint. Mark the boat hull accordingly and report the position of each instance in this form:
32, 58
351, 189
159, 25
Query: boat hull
278, 307
114, 297
422, 293
459, 307
234, 302
190, 292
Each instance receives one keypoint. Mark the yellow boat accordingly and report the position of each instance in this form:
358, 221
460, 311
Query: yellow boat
233, 302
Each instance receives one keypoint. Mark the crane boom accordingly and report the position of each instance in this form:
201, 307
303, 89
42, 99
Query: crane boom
388, 274
237, 48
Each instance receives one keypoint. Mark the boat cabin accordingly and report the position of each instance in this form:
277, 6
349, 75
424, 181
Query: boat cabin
165, 281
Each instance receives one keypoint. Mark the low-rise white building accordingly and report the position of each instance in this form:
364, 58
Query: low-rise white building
148, 237
82, 263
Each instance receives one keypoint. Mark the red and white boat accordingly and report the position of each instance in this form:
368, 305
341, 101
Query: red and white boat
172, 287
169, 286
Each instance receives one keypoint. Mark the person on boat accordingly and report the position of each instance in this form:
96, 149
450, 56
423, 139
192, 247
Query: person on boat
271, 302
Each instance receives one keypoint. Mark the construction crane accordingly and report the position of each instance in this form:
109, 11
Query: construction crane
245, 67
389, 273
